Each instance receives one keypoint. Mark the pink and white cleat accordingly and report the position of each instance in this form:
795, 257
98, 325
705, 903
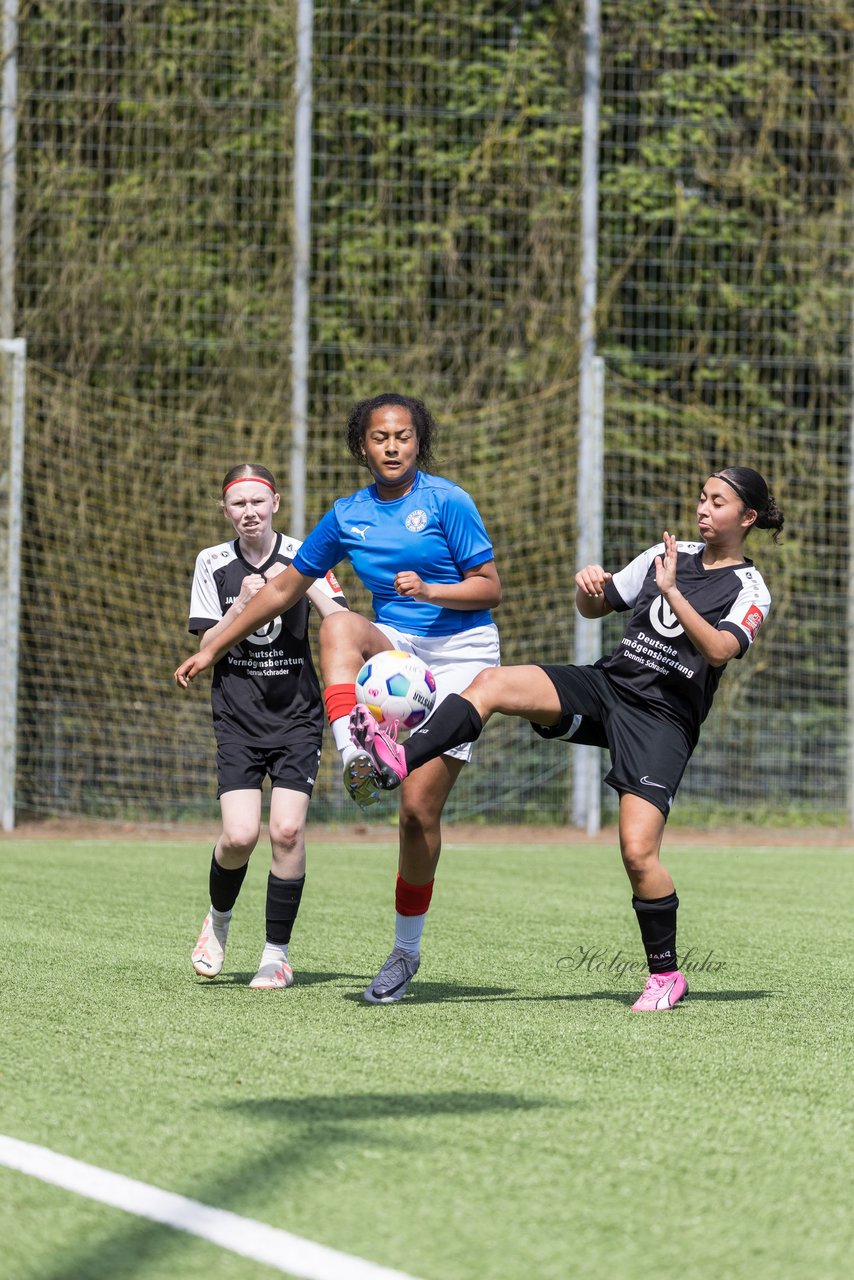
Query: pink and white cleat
209, 951
381, 745
273, 977
662, 991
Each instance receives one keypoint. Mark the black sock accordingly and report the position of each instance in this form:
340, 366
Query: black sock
454, 722
657, 920
225, 885
283, 899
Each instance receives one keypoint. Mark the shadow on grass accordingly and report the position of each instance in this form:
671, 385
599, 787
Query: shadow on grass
299, 1131
451, 993
621, 997
336, 1112
441, 993
302, 979
730, 995
628, 999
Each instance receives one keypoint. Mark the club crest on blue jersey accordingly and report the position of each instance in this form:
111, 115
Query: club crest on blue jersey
416, 520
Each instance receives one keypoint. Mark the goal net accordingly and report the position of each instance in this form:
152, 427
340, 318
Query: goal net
115, 513
153, 276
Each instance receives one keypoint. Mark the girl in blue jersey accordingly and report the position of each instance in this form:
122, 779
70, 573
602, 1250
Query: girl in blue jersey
419, 545
695, 606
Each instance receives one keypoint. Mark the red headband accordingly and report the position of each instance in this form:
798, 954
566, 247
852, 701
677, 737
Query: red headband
243, 479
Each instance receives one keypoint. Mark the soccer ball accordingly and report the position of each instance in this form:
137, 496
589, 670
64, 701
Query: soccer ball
396, 686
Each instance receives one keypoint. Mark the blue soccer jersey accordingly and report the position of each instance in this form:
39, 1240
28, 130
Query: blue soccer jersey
435, 530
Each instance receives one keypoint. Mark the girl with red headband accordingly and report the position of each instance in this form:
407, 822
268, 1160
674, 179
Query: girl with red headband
267, 716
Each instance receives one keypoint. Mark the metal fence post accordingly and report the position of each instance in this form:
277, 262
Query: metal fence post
302, 240
588, 634
13, 355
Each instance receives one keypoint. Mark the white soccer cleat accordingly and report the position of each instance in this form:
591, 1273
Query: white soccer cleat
275, 975
209, 952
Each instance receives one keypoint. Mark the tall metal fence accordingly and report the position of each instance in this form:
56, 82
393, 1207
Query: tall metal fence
153, 274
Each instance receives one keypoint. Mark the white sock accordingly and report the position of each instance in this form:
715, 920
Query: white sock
274, 952
341, 733
407, 932
220, 919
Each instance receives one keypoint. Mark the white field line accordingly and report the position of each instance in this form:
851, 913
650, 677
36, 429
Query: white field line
256, 1240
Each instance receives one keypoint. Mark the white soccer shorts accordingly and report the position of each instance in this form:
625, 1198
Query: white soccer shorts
454, 660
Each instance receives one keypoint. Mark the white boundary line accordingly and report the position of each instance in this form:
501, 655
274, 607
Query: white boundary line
256, 1240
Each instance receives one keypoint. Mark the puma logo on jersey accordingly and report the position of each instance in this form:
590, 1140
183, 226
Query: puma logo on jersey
360, 533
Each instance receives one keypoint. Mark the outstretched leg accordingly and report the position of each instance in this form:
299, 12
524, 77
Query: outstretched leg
526, 692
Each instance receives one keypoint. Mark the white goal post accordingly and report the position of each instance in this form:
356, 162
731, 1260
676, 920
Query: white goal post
13, 361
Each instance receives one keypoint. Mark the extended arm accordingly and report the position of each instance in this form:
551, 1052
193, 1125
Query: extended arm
717, 647
273, 599
325, 604
249, 588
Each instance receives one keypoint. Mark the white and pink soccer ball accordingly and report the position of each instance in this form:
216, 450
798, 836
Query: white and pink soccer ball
396, 687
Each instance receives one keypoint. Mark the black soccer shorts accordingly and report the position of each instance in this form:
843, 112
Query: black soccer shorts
648, 754
240, 766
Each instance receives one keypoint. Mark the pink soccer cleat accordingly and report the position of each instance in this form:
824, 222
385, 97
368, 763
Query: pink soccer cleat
662, 991
381, 745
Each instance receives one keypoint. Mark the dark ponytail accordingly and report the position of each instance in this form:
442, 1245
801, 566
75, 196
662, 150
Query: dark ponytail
754, 493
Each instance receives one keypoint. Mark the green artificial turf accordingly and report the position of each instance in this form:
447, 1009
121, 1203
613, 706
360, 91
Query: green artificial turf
511, 1118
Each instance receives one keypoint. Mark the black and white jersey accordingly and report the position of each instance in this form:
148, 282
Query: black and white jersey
656, 662
266, 684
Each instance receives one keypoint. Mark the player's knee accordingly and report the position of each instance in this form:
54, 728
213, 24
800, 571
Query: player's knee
486, 689
638, 855
240, 838
333, 628
286, 836
415, 824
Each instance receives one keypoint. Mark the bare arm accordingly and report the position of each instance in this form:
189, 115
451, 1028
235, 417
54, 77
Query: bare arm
273, 598
589, 591
717, 647
325, 604
249, 588
317, 597
479, 589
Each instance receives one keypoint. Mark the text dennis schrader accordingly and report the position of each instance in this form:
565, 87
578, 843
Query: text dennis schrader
599, 960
